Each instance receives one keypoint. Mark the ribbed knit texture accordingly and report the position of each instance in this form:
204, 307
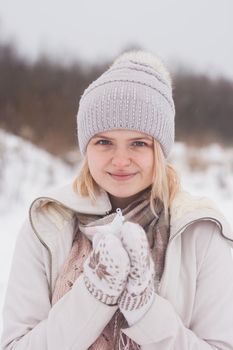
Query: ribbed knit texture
129, 95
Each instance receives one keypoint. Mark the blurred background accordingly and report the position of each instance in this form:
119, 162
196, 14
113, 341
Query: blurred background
51, 50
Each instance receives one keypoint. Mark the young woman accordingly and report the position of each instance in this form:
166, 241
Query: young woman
124, 259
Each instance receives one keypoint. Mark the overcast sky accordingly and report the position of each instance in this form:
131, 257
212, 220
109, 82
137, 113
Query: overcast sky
197, 33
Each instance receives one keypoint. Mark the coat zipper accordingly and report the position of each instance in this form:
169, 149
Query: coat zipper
49, 251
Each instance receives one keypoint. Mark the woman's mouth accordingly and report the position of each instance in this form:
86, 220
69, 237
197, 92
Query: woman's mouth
122, 176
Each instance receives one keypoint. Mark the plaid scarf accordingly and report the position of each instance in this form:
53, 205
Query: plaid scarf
157, 230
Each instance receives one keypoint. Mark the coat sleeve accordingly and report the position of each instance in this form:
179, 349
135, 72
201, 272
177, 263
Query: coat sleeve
211, 325
29, 321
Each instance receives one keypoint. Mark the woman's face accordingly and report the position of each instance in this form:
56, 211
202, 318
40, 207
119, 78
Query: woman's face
121, 162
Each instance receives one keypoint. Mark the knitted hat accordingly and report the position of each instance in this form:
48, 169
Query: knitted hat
134, 93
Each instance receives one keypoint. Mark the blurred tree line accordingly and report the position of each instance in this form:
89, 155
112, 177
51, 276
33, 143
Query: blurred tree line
39, 102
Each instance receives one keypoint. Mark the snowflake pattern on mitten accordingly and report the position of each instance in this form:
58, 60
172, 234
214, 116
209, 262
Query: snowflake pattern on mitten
106, 269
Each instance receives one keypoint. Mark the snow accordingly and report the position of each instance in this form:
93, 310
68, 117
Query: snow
26, 170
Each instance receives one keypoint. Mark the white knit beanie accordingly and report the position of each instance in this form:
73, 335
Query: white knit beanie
134, 93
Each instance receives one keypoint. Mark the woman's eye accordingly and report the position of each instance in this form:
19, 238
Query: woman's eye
103, 142
139, 143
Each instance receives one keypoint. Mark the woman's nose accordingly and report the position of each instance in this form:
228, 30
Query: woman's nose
121, 158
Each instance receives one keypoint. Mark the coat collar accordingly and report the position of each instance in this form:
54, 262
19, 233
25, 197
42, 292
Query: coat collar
187, 209
60, 205
67, 198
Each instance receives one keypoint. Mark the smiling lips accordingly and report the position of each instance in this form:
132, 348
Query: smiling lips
122, 176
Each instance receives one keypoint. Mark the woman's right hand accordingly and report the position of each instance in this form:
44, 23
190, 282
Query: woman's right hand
107, 268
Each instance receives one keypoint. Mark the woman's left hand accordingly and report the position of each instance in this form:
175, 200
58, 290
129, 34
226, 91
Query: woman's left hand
139, 292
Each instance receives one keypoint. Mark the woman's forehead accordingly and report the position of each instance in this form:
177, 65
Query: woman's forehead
125, 133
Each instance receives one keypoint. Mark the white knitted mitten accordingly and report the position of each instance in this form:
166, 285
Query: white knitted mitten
107, 268
139, 293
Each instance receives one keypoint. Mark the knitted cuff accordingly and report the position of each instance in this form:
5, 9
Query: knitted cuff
99, 294
134, 316
131, 301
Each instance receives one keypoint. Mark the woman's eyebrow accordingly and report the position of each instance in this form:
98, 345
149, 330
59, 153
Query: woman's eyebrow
131, 139
142, 138
101, 137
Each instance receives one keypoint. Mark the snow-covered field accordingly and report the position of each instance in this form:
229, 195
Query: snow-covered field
26, 170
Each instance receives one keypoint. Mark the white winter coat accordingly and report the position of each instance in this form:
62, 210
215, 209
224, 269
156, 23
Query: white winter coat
192, 310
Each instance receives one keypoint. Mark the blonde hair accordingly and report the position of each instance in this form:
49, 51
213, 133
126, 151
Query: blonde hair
165, 183
164, 187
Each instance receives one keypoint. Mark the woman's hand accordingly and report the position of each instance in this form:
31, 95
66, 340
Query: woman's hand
107, 268
139, 292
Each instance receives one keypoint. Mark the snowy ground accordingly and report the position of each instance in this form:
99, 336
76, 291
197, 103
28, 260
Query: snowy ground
25, 170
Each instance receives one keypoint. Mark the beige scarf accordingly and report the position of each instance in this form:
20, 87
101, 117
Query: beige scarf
157, 230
